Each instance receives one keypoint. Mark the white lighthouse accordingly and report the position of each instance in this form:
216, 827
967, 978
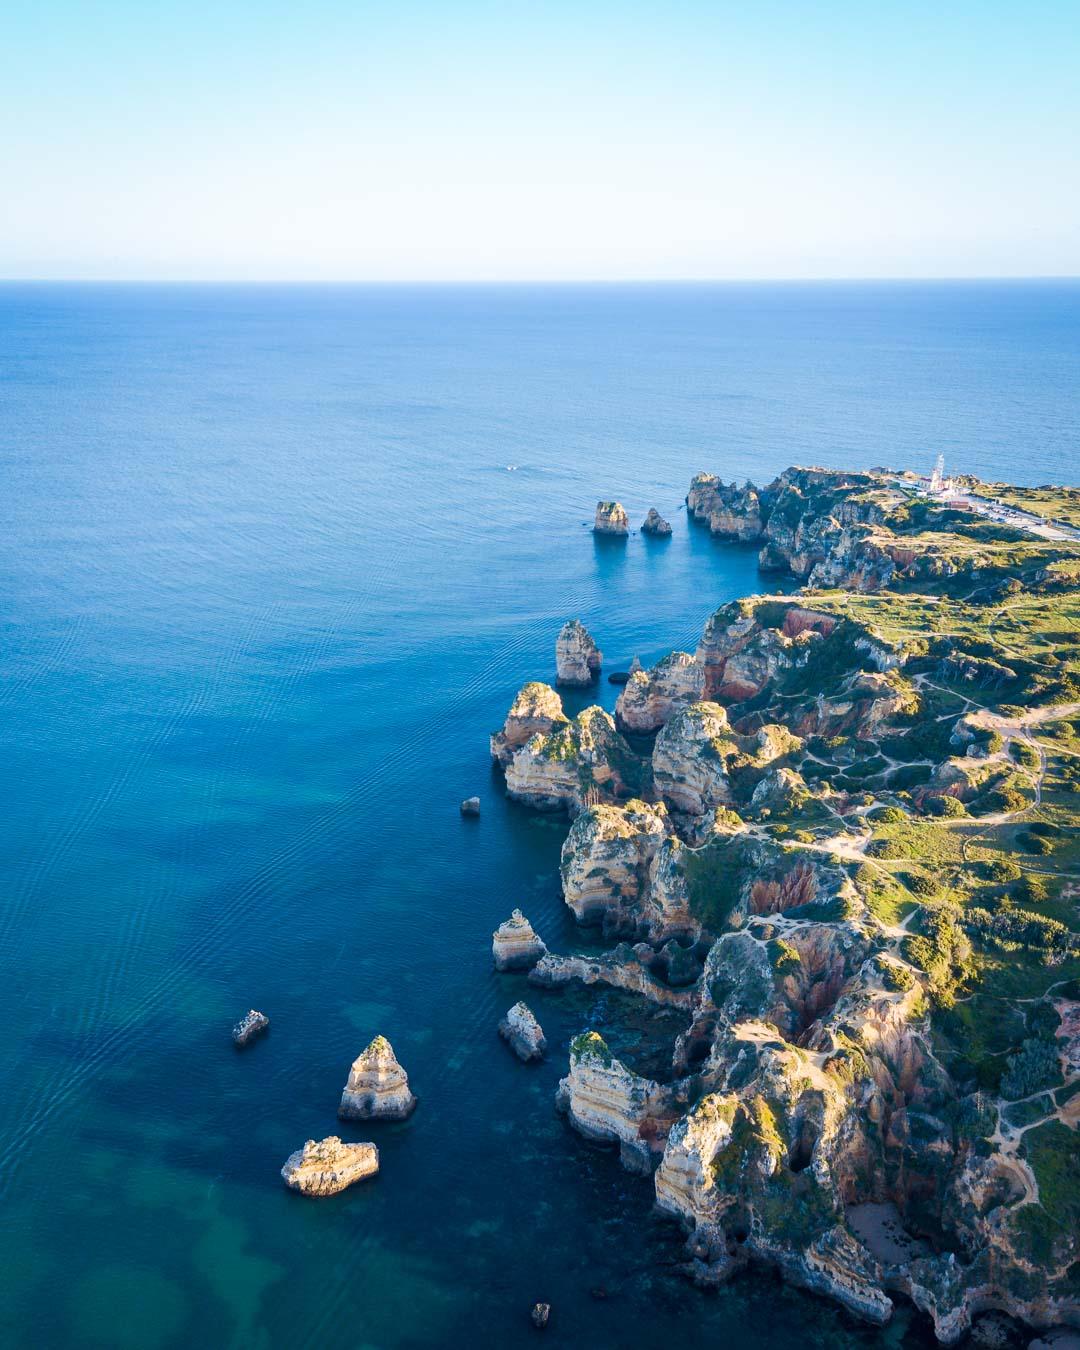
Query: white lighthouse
939, 485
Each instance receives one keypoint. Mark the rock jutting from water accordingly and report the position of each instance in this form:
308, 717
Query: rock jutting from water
470, 806
577, 763
648, 700
537, 710
655, 524
377, 1087
515, 945
523, 1033
611, 518
577, 657
327, 1166
252, 1024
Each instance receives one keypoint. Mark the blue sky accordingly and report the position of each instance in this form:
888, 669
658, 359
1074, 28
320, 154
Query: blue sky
539, 140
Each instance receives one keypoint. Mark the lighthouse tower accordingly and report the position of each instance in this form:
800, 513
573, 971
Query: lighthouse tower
937, 478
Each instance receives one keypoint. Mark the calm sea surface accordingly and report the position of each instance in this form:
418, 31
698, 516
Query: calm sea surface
274, 561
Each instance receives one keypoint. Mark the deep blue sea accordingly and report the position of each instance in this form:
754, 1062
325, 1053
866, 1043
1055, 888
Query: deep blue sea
273, 562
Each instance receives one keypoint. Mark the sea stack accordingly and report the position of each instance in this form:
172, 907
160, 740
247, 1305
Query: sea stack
328, 1166
377, 1087
654, 523
537, 708
577, 657
523, 1033
514, 944
611, 518
470, 806
252, 1024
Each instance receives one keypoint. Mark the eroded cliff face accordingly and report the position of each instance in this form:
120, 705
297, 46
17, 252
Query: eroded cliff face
803, 915
575, 765
606, 1102
729, 511
536, 710
606, 860
648, 701
689, 759
577, 657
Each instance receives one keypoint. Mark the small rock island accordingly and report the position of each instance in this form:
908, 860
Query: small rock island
835, 847
611, 518
377, 1086
327, 1166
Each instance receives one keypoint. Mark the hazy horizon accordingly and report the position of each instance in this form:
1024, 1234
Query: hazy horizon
477, 141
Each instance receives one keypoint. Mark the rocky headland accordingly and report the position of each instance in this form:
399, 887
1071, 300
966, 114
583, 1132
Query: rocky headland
841, 839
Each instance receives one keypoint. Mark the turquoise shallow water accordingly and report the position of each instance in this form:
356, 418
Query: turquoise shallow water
275, 560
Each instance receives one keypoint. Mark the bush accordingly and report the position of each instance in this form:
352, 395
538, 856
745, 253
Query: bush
1031, 890
950, 807
1032, 1068
1002, 870
1034, 843
887, 815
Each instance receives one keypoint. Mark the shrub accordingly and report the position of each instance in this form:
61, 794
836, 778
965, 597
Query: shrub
1002, 870
950, 807
1032, 1068
1032, 890
887, 815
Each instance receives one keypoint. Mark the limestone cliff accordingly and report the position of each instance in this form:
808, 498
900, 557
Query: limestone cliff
605, 862
649, 700
575, 765
536, 710
655, 524
605, 1101
689, 759
577, 657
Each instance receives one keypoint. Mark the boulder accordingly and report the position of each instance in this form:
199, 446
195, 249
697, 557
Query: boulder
252, 1024
523, 1033
328, 1166
655, 524
541, 1315
470, 806
577, 657
536, 710
514, 944
377, 1086
611, 518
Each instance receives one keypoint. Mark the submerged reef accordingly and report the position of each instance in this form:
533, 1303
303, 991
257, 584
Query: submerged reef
841, 837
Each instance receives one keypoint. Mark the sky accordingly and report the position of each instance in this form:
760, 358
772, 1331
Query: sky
473, 140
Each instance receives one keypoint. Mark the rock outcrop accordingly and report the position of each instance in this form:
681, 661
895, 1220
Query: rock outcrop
611, 518
328, 1166
604, 1101
515, 945
729, 511
536, 710
470, 806
621, 968
377, 1087
655, 524
523, 1033
606, 859
575, 765
649, 700
577, 657
689, 759
252, 1024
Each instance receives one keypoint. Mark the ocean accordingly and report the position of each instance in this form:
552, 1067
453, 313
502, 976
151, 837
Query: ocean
274, 561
